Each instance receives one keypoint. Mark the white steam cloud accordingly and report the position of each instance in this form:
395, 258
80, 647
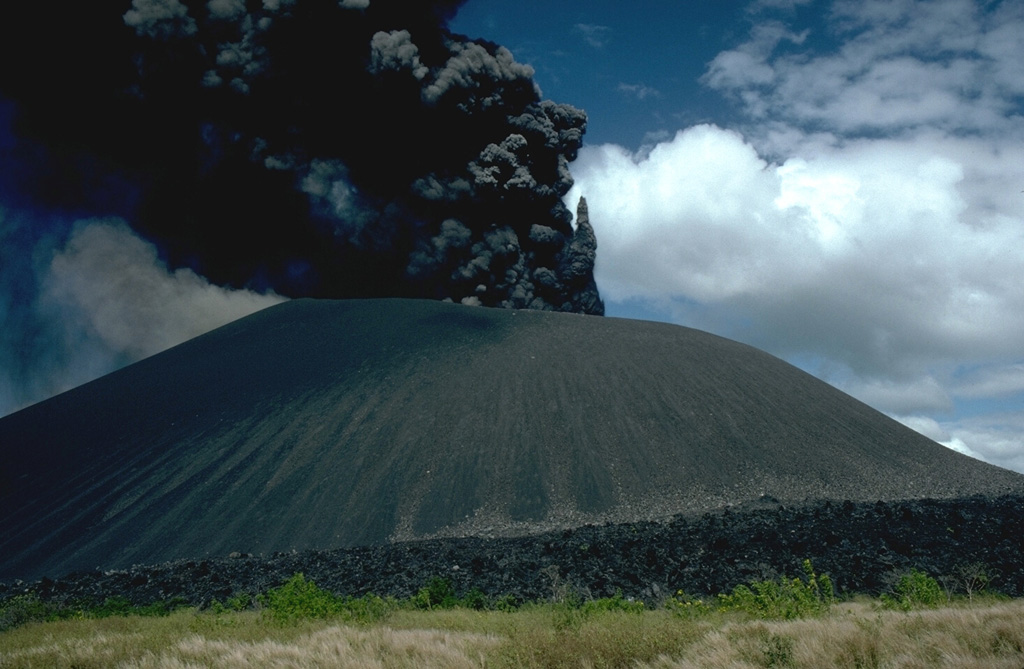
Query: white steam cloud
116, 302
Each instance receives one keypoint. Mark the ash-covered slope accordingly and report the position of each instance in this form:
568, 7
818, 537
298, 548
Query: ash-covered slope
320, 424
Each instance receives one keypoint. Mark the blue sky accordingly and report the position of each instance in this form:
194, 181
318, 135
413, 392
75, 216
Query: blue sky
634, 68
836, 182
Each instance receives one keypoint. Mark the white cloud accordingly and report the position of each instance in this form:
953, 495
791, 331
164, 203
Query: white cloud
944, 64
703, 177
996, 439
929, 427
870, 256
748, 66
109, 286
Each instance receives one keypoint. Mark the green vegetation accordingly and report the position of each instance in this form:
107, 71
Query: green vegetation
29, 608
785, 599
439, 593
300, 599
915, 590
789, 622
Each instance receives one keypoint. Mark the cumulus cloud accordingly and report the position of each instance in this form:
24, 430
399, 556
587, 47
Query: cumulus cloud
706, 180
870, 257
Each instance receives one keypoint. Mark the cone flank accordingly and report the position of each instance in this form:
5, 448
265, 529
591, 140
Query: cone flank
320, 424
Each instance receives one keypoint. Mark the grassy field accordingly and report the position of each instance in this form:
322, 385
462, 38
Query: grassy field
980, 633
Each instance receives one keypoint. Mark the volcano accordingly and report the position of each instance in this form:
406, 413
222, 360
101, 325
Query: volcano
323, 424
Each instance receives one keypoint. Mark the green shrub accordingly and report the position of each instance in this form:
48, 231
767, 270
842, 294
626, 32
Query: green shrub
569, 611
239, 602
25, 609
784, 599
29, 608
686, 606
112, 606
506, 603
615, 603
438, 593
475, 599
915, 589
235, 603
299, 599
368, 609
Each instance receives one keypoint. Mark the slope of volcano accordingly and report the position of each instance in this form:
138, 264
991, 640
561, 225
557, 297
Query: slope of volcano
322, 424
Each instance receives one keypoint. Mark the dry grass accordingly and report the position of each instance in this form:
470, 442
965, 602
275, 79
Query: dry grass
189, 640
343, 647
860, 636
852, 635
544, 636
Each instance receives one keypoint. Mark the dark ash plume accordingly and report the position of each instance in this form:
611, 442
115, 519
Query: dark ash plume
318, 148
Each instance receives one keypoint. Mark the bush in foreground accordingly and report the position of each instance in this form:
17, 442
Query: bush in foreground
299, 599
782, 599
915, 589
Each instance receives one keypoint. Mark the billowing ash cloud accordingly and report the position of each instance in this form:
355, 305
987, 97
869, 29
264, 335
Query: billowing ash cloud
317, 148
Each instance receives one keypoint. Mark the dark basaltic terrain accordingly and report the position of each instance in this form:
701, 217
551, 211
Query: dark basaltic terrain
864, 547
319, 425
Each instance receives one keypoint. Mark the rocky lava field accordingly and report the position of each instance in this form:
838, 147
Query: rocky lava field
863, 547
